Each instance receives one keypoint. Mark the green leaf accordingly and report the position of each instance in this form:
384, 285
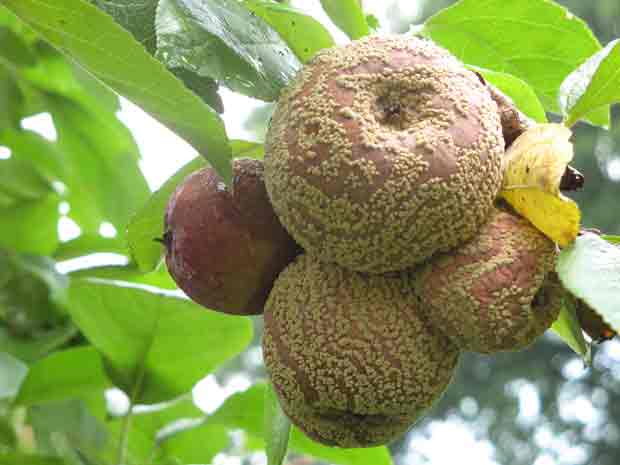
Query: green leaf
14, 49
55, 74
196, 446
104, 96
96, 157
139, 445
71, 419
595, 84
590, 269
485, 33
10, 100
8, 437
373, 22
31, 296
611, 239
277, 429
51, 72
18, 27
62, 375
203, 87
152, 419
244, 411
76, 28
222, 40
137, 17
90, 243
157, 345
12, 374
302, 33
182, 433
568, 329
30, 147
348, 16
158, 431
130, 273
15, 458
104, 179
44, 270
147, 225
246, 149
31, 349
22, 182
30, 285
522, 95
31, 227
67, 447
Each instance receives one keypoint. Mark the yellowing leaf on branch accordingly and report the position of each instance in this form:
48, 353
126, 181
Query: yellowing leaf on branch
533, 169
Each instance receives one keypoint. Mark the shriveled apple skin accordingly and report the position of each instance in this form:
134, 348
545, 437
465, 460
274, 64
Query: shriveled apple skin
497, 292
225, 249
383, 152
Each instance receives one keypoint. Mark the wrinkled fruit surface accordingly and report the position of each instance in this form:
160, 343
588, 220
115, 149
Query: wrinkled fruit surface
497, 292
225, 249
352, 361
383, 152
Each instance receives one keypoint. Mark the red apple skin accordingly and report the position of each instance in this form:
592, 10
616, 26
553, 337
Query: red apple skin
225, 248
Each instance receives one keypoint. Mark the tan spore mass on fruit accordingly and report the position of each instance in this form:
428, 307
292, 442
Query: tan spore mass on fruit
352, 362
383, 152
498, 292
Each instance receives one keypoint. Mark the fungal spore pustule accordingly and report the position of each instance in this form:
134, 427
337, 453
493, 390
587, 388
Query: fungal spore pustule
383, 152
349, 354
497, 292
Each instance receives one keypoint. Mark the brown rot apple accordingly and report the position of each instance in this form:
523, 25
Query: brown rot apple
383, 152
225, 247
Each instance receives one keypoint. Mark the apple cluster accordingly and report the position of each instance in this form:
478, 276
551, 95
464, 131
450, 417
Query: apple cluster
370, 237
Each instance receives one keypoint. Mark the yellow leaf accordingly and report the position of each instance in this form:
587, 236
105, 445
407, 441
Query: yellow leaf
533, 167
557, 217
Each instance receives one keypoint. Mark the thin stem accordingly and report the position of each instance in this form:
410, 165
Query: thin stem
124, 441
136, 390
126, 426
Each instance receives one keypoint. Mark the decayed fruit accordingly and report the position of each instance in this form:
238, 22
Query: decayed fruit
225, 249
497, 292
514, 122
383, 152
593, 324
352, 361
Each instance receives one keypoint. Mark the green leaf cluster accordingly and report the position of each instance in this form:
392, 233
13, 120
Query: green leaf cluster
529, 40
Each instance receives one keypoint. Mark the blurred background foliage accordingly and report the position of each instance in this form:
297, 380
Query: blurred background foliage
537, 407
